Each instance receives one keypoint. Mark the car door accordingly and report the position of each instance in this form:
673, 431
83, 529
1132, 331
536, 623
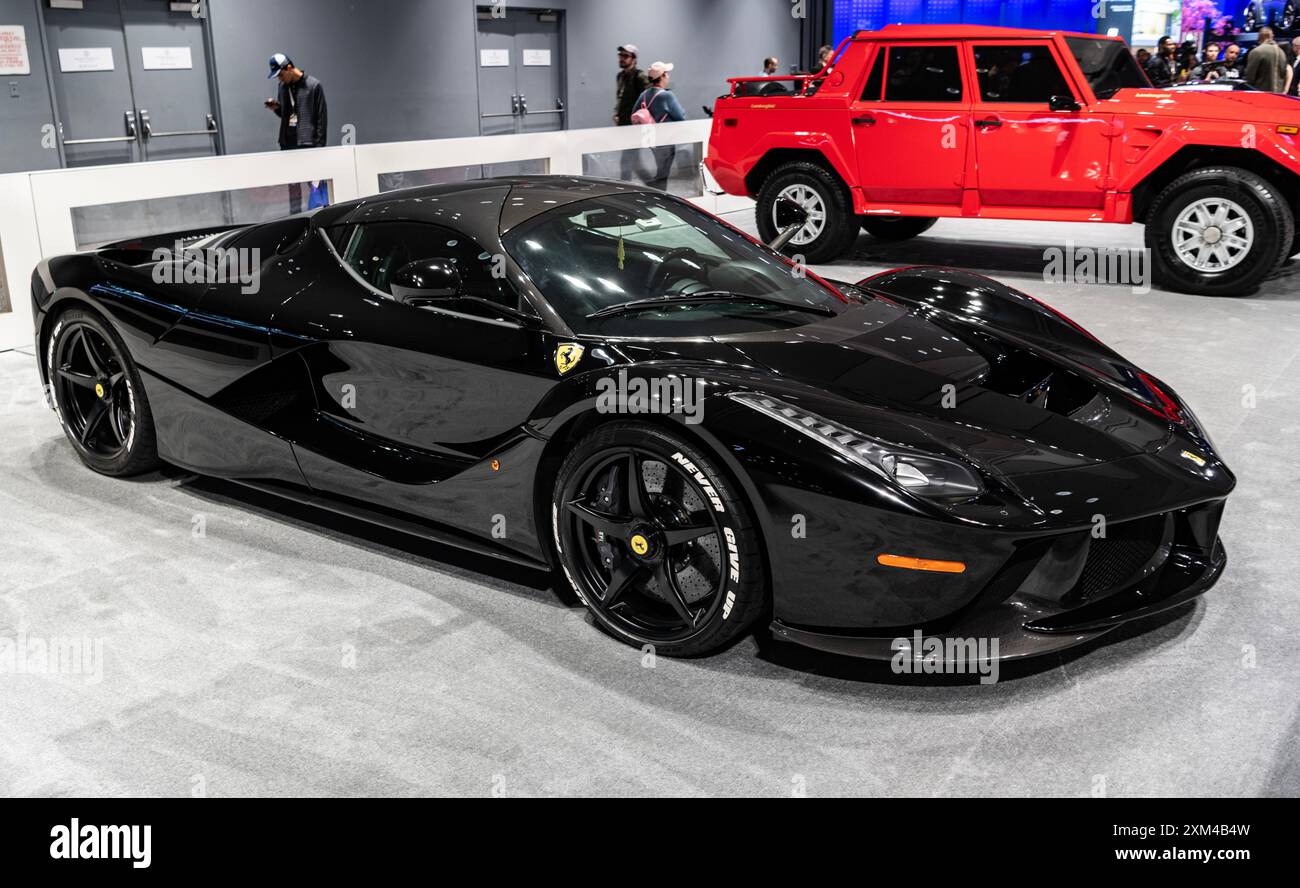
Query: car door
1026, 153
910, 126
407, 395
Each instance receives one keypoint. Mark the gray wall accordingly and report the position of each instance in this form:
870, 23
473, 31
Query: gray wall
394, 69
405, 69
707, 40
22, 116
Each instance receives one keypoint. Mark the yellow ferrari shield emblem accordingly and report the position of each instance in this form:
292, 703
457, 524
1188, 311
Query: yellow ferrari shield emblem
567, 357
640, 545
99, 390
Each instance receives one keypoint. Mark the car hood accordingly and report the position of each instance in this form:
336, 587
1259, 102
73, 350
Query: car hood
1236, 106
992, 396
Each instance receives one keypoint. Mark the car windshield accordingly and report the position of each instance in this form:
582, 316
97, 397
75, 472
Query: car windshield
1108, 65
598, 261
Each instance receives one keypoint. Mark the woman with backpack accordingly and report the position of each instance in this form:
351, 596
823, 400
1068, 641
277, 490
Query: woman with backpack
658, 105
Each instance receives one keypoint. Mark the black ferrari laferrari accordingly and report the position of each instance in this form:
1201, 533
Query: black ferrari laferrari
601, 379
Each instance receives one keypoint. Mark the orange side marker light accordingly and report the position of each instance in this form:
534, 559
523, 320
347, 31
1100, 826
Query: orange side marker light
928, 564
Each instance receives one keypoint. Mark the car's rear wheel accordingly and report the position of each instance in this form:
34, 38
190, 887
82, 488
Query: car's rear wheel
1219, 231
896, 228
97, 393
831, 227
657, 542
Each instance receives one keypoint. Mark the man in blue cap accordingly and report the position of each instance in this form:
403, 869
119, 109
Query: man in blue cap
300, 105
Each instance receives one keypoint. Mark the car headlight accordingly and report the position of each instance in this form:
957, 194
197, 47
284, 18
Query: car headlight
924, 474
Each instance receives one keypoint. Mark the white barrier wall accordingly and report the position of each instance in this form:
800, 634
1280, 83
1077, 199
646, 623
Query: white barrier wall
36, 208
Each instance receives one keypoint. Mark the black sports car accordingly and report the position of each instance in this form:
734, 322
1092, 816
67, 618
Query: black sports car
601, 378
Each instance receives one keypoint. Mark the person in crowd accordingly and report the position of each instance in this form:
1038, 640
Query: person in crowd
1143, 56
658, 105
1209, 61
1186, 60
1163, 67
770, 64
300, 105
824, 56
629, 84
1266, 65
1293, 72
661, 104
1229, 69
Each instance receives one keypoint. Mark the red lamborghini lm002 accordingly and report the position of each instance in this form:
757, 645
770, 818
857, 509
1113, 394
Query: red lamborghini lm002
912, 123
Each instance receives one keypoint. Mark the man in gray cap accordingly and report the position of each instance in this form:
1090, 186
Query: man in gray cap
631, 82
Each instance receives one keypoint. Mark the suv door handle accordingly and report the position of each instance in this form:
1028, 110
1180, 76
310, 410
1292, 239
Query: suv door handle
989, 122
866, 120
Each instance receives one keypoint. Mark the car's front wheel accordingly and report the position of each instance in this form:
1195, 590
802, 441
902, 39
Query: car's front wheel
1219, 231
656, 541
98, 395
897, 228
830, 227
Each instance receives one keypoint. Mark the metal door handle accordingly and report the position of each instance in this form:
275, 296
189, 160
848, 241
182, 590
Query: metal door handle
210, 131
98, 141
514, 104
523, 104
128, 119
144, 123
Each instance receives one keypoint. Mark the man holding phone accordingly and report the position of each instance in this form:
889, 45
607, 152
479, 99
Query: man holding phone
300, 105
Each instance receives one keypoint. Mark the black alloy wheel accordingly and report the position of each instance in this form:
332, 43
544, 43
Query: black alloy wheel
98, 396
648, 551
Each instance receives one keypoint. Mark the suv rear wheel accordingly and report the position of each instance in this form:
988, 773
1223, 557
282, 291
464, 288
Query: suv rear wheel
831, 228
1219, 231
896, 228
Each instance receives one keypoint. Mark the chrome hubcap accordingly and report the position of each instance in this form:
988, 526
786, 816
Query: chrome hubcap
1214, 234
812, 202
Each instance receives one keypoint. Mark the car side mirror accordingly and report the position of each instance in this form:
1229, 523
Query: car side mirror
1063, 103
425, 280
792, 217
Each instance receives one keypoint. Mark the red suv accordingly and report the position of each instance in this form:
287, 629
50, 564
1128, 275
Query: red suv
911, 123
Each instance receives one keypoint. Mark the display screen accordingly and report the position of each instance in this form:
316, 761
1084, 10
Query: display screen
1062, 15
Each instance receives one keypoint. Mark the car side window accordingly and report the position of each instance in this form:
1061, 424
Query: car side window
923, 74
377, 250
1019, 73
876, 81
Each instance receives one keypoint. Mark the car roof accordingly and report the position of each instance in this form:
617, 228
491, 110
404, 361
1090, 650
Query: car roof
969, 32
481, 208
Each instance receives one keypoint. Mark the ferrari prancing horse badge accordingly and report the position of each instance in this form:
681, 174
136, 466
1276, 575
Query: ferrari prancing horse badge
567, 357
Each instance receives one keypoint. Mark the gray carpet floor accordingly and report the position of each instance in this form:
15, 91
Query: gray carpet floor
286, 652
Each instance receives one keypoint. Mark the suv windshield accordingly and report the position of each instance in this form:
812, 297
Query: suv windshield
1108, 65
591, 256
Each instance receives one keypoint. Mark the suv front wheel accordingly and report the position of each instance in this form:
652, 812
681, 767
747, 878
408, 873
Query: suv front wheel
831, 227
1219, 231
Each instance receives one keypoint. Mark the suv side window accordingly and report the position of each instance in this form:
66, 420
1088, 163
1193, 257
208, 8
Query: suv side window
1019, 73
376, 250
923, 74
